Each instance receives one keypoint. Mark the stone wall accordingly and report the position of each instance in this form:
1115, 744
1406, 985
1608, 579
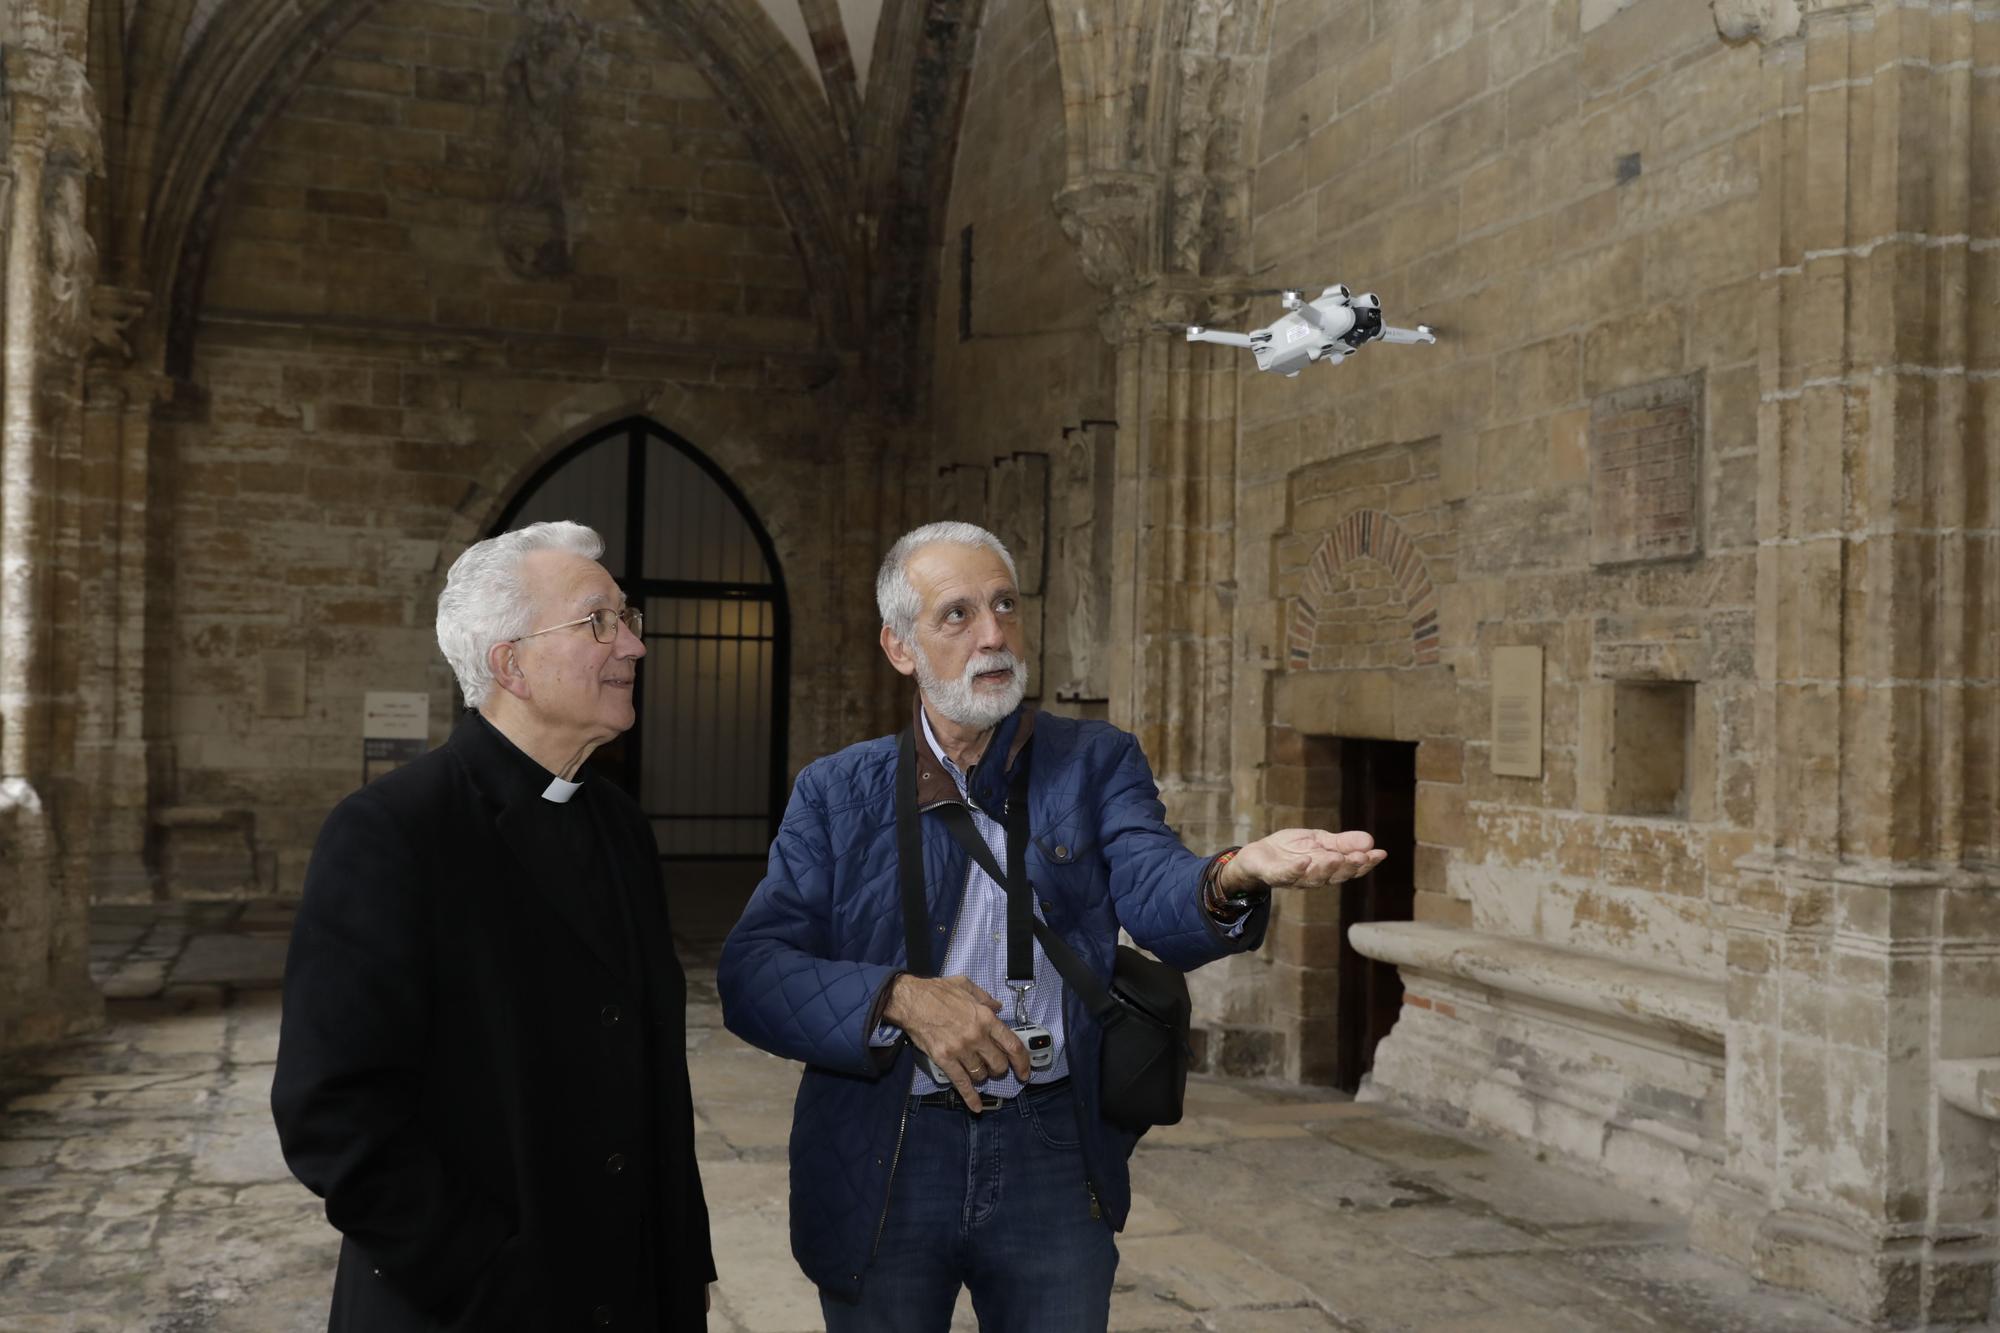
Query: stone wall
475, 232
1569, 195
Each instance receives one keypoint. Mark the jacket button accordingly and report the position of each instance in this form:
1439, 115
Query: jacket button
1062, 853
601, 1316
376, 1271
608, 1015
614, 1164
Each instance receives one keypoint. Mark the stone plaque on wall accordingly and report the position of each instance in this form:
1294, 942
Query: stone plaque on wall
281, 690
395, 728
1517, 712
1645, 472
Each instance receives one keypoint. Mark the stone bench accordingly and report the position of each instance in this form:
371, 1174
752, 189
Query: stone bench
1677, 1002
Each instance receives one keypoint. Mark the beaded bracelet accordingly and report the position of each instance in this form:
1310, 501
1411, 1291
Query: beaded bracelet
1229, 907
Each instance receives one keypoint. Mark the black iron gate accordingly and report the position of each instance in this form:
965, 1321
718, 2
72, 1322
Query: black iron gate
706, 758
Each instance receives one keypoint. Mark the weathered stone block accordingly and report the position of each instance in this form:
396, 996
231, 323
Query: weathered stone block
1634, 349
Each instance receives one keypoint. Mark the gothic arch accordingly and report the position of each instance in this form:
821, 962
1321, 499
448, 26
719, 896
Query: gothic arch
1377, 536
509, 466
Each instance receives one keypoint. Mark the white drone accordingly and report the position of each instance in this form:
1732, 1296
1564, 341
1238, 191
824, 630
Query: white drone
1331, 328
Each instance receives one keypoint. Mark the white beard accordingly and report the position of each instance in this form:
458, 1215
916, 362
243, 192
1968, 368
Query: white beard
959, 702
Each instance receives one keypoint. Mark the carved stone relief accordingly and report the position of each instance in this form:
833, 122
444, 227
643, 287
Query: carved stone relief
1019, 514
541, 79
1078, 616
960, 493
1207, 190
1109, 218
1766, 20
112, 312
72, 255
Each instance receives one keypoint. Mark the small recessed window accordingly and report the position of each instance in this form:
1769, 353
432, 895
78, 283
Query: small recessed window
1649, 760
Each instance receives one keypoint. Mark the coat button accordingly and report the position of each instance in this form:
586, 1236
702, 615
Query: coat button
601, 1316
614, 1164
1062, 853
608, 1015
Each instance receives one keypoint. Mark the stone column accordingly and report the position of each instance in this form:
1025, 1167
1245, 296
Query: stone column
52, 145
1864, 932
884, 493
1160, 103
1173, 563
109, 631
1173, 516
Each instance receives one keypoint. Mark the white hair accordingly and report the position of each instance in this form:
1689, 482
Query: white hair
485, 602
896, 597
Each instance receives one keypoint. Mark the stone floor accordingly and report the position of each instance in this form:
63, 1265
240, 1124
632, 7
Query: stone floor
141, 1189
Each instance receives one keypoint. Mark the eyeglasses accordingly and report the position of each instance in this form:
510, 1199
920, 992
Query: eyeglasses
603, 624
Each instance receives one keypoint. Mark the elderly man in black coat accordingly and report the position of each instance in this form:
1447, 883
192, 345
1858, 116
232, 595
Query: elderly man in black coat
483, 1061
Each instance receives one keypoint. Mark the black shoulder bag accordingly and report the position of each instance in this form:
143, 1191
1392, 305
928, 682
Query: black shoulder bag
1144, 1014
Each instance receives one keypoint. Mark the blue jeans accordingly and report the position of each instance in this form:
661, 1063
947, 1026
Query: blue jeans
996, 1203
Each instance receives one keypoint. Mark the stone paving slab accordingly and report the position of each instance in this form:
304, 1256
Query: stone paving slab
141, 1191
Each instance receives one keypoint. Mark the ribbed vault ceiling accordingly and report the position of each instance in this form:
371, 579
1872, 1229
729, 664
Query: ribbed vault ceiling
857, 17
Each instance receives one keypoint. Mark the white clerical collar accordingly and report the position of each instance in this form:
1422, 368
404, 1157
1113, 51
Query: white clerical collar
560, 791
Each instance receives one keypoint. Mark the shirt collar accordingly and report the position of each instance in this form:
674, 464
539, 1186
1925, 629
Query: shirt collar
946, 783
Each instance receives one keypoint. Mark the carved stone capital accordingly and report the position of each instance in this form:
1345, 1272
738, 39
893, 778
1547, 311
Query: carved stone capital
1169, 305
1766, 20
112, 313
1112, 218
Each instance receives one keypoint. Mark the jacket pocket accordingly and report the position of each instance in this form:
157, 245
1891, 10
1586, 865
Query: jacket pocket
1053, 1121
1066, 841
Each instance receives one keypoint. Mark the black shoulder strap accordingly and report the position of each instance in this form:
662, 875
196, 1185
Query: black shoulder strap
1020, 900
910, 858
1021, 904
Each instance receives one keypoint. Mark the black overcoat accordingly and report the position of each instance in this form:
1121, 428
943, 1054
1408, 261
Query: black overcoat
484, 1076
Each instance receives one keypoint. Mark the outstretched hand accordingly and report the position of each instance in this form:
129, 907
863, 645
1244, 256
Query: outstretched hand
1302, 858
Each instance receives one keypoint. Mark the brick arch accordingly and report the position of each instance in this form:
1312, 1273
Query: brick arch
1375, 535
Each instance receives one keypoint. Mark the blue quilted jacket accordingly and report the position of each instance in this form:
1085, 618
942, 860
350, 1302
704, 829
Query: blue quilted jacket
803, 972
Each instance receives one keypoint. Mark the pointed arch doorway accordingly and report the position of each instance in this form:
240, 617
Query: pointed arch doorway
706, 757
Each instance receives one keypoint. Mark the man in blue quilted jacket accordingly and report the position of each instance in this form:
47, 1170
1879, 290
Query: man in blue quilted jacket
912, 1179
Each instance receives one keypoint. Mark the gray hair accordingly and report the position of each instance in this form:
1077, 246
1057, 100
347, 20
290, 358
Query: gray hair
896, 598
484, 601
